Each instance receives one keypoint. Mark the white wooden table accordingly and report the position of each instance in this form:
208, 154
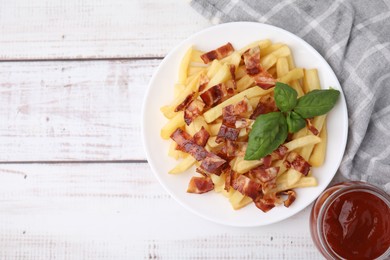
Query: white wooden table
74, 182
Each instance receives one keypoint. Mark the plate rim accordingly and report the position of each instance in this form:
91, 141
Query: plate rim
166, 59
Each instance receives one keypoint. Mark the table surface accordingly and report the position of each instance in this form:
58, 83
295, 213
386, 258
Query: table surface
74, 181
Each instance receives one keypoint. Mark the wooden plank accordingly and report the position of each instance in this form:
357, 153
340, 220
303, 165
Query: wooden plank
94, 29
72, 111
119, 211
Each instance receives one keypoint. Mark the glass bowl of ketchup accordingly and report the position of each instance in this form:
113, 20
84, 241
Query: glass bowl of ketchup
351, 220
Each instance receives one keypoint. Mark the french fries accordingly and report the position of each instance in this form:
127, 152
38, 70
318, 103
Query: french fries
216, 111
183, 70
277, 60
317, 157
176, 122
183, 165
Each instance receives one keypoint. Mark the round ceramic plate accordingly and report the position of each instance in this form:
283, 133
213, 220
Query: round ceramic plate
214, 206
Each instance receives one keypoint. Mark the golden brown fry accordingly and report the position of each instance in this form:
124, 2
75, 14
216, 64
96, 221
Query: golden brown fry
184, 66
176, 122
311, 80
262, 44
195, 56
183, 165
282, 67
294, 74
317, 157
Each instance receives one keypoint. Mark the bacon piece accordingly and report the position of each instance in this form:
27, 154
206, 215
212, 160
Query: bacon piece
216, 94
201, 172
232, 69
267, 160
291, 197
203, 81
186, 144
243, 123
266, 105
265, 174
311, 127
193, 110
253, 68
230, 114
201, 137
264, 203
280, 152
252, 61
227, 133
264, 80
200, 185
186, 102
230, 176
234, 149
298, 163
242, 107
219, 53
212, 163
247, 187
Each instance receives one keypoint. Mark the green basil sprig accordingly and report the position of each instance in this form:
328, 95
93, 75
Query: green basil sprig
270, 130
316, 102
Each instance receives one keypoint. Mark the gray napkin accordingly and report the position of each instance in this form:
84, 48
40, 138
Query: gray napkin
354, 37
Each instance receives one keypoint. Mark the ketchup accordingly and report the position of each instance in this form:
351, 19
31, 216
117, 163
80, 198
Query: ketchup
356, 225
351, 220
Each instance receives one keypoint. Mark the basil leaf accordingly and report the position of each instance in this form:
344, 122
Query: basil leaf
295, 122
285, 97
317, 102
268, 132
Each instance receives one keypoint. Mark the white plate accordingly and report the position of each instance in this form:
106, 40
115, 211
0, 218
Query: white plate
211, 205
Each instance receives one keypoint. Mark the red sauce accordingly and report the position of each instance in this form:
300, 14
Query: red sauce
357, 225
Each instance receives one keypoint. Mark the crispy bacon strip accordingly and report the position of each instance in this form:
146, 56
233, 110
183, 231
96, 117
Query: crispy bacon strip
267, 160
265, 174
252, 64
252, 61
230, 114
280, 152
234, 149
232, 69
227, 133
264, 80
266, 105
193, 110
264, 203
243, 123
216, 94
201, 137
311, 127
186, 144
186, 102
291, 197
247, 187
230, 175
213, 164
298, 163
200, 185
219, 53
203, 81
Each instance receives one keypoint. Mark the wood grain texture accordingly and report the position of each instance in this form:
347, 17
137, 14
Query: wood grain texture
72, 111
94, 29
119, 211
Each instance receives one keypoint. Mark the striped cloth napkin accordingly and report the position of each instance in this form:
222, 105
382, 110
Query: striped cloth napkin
354, 37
